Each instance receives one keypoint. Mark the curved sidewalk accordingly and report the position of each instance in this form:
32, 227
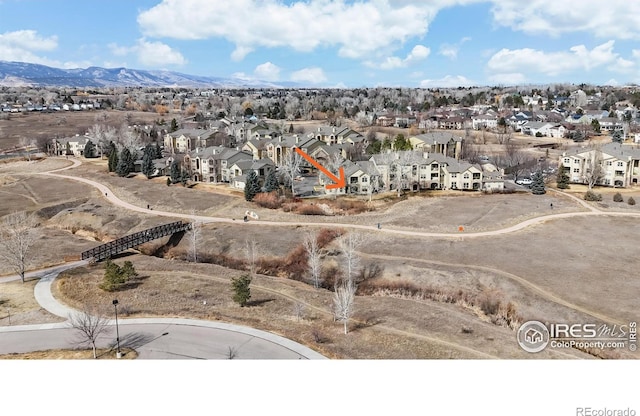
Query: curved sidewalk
200, 339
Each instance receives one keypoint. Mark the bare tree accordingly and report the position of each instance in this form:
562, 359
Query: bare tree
194, 240
251, 253
298, 310
89, 327
290, 167
593, 169
16, 239
343, 302
313, 257
349, 245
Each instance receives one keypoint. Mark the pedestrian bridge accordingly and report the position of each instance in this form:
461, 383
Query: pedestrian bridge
110, 249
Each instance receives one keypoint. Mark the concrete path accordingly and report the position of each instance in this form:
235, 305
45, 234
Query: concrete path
153, 338
592, 211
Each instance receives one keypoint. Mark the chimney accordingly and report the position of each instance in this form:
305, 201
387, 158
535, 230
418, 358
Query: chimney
297, 138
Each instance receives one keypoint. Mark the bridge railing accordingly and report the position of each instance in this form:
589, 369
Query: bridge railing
126, 242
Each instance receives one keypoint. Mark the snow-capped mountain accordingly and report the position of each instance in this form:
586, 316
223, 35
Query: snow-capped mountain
14, 74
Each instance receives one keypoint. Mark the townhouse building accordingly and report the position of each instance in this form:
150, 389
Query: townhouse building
618, 165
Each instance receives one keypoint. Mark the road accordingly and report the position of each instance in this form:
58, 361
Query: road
161, 339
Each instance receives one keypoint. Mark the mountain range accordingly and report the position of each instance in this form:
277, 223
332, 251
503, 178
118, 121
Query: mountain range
22, 74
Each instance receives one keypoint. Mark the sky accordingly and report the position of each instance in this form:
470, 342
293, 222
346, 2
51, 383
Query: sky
336, 43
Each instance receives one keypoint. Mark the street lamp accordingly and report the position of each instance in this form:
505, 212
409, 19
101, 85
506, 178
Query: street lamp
115, 307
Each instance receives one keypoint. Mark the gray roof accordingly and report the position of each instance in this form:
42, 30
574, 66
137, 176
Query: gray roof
192, 133
438, 137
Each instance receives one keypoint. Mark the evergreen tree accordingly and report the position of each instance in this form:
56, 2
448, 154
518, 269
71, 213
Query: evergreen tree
252, 186
113, 157
174, 125
184, 177
271, 182
125, 163
147, 162
89, 150
157, 152
563, 178
115, 276
174, 172
241, 289
537, 187
68, 151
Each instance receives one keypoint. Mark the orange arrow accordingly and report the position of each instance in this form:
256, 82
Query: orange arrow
340, 182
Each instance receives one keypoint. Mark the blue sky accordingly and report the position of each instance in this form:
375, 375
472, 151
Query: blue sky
336, 43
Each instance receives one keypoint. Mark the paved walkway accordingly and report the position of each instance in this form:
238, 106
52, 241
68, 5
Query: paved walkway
153, 338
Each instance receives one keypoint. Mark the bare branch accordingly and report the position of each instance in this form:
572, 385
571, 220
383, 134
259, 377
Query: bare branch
343, 302
89, 328
17, 236
310, 243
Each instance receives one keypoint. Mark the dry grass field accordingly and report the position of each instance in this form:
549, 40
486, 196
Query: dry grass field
428, 301
63, 124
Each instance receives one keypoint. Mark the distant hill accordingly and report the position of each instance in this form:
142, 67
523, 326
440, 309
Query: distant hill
15, 74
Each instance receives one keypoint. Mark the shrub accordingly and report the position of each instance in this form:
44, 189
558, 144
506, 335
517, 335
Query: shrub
617, 197
115, 276
631, 201
327, 235
305, 209
269, 200
241, 289
592, 196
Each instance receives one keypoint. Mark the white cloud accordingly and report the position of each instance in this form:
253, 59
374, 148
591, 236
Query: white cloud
613, 19
418, 53
612, 82
313, 75
152, 54
449, 81
21, 46
357, 29
554, 63
158, 54
267, 71
451, 50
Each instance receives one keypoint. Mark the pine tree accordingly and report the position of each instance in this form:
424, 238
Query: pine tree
252, 186
157, 154
271, 182
125, 163
113, 157
174, 125
147, 162
537, 187
241, 289
89, 150
174, 173
563, 178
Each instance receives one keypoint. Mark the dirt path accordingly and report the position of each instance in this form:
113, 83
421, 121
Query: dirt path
538, 290
110, 196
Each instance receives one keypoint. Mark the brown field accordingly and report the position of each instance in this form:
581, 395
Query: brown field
571, 270
63, 124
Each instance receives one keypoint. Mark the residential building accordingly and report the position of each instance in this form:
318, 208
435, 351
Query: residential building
445, 143
619, 165
185, 140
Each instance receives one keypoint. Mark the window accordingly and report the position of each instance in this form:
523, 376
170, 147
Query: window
576, 161
434, 166
619, 173
609, 163
465, 185
567, 160
354, 179
466, 176
576, 170
454, 176
476, 176
364, 179
434, 175
620, 164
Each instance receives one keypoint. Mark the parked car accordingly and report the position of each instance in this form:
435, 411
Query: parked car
524, 181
